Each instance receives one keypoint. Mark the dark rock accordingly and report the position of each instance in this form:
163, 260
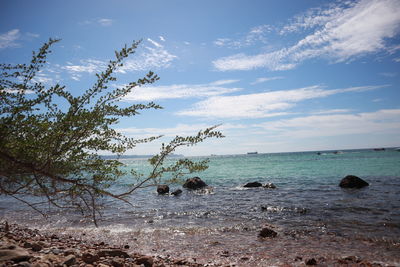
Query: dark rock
113, 253
267, 232
253, 184
117, 262
126, 247
15, 254
69, 260
36, 247
351, 181
89, 258
269, 186
194, 183
163, 189
147, 261
177, 192
311, 261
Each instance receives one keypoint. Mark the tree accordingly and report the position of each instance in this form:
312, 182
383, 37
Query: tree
49, 152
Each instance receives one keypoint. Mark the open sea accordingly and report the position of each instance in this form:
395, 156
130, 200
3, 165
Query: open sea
313, 216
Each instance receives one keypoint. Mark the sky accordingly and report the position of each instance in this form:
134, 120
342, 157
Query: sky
279, 76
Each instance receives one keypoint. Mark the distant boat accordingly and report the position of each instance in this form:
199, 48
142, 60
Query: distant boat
338, 152
379, 149
252, 153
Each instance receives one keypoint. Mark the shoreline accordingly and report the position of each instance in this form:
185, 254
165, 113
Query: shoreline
21, 246
51, 248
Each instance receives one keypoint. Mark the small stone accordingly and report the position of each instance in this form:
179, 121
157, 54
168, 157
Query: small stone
311, 261
36, 247
69, 260
117, 262
112, 253
126, 247
177, 192
147, 261
89, 258
266, 232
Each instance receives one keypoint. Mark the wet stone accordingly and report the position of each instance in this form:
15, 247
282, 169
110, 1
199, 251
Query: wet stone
311, 261
267, 232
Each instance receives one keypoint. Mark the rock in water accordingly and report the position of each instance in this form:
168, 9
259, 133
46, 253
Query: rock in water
253, 184
194, 183
163, 189
270, 186
177, 192
267, 232
351, 181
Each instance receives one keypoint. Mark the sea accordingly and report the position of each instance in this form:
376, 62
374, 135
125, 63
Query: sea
313, 216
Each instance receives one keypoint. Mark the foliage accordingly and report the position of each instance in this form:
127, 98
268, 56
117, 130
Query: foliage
49, 151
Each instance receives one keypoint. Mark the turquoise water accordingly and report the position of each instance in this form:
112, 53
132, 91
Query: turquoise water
308, 203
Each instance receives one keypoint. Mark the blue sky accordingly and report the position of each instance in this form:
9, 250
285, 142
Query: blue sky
278, 75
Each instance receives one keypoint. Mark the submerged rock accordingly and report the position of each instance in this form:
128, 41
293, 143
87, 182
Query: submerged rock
253, 184
351, 181
194, 183
162, 189
177, 192
267, 232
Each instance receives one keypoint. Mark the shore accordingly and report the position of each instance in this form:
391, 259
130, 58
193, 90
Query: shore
21, 246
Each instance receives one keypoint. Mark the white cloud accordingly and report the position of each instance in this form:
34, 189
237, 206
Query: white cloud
341, 32
262, 105
180, 129
266, 79
153, 56
382, 121
332, 111
162, 38
90, 66
9, 38
256, 34
154, 43
105, 22
151, 93
388, 74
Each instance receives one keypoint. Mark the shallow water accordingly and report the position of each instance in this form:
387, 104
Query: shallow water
312, 215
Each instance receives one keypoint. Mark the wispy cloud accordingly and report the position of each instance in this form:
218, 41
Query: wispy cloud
180, 129
152, 56
382, 121
339, 33
105, 22
388, 74
256, 34
9, 38
151, 93
262, 105
266, 79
